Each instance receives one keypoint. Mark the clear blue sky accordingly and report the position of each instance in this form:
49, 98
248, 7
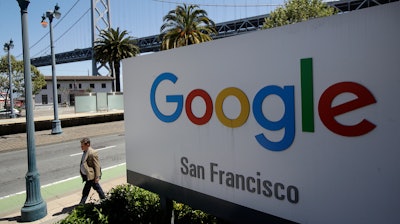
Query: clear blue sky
139, 17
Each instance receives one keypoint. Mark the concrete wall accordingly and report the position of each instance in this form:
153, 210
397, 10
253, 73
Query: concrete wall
20, 127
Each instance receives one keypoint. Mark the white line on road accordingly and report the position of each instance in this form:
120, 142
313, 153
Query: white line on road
107, 147
60, 181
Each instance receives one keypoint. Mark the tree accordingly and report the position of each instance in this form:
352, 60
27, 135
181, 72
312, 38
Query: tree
113, 46
295, 11
18, 77
186, 25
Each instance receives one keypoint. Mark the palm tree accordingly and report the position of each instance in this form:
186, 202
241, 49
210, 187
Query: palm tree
113, 46
186, 25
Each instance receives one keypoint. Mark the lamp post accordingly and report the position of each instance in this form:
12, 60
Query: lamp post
34, 208
7, 47
56, 123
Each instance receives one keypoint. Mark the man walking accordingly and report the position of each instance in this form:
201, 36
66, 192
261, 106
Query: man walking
90, 170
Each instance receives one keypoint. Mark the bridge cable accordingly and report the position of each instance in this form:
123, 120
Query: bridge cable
45, 35
219, 5
65, 32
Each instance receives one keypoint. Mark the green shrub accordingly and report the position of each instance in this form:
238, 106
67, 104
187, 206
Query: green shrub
86, 214
130, 204
184, 214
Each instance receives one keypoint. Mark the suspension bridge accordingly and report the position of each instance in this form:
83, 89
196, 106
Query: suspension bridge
152, 43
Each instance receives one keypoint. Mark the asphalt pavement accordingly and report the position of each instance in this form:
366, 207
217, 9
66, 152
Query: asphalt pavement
60, 202
18, 141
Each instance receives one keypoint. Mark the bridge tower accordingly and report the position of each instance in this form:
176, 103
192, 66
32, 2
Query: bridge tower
101, 20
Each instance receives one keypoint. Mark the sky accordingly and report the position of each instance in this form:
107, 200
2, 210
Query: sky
140, 18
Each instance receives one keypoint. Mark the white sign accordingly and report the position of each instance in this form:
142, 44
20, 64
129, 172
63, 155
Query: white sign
299, 122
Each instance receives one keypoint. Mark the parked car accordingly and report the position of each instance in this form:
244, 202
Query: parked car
5, 113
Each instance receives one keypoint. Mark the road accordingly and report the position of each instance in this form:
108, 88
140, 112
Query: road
56, 162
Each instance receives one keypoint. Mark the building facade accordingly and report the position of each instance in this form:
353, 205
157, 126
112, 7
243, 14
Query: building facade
70, 86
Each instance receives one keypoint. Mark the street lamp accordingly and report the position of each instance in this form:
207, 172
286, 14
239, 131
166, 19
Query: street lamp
34, 208
7, 47
56, 123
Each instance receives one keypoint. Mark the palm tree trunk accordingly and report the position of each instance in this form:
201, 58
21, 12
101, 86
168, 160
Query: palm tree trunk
112, 75
117, 76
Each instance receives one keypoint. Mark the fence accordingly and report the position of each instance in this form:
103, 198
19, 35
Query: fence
98, 102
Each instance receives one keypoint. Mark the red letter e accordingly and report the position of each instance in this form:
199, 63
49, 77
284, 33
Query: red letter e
327, 113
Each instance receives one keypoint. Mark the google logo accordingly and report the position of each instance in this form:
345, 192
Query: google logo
327, 112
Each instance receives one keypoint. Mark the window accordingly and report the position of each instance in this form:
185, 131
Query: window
70, 85
44, 87
92, 85
103, 85
80, 86
59, 98
58, 86
44, 99
72, 99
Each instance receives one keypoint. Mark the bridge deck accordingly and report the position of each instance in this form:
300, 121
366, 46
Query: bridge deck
225, 29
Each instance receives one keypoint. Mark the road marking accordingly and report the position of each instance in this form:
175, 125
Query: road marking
107, 147
60, 181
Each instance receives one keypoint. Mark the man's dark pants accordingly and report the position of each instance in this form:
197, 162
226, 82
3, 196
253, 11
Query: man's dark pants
86, 189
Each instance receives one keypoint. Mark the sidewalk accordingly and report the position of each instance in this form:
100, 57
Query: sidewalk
18, 141
58, 205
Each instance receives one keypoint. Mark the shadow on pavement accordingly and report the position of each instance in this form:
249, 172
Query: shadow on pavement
10, 219
65, 210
